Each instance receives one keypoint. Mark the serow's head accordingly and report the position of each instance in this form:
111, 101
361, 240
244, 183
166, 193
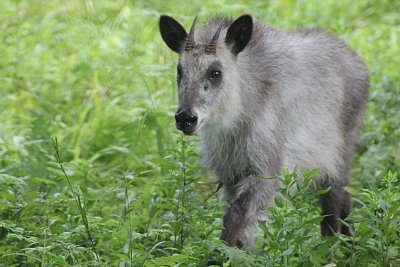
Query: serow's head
205, 71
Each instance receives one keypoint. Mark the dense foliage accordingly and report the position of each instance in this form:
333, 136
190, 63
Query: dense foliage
93, 173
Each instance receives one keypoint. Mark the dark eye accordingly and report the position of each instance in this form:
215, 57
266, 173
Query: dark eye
215, 75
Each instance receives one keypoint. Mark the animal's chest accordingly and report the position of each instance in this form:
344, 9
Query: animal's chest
228, 158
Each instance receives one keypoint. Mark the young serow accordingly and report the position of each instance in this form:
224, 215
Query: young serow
261, 100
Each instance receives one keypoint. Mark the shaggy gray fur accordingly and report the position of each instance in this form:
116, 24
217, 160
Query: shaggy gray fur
286, 99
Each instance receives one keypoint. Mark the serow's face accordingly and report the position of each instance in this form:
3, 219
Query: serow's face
200, 80
202, 83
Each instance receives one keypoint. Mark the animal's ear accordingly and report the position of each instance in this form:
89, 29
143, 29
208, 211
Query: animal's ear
239, 34
173, 33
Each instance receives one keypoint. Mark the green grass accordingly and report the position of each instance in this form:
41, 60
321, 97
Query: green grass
121, 187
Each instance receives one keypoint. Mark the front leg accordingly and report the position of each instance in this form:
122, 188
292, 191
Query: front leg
247, 200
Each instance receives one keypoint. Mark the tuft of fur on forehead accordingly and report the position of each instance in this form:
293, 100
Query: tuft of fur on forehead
256, 46
206, 31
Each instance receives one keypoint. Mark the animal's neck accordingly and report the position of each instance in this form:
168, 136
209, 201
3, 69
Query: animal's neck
225, 151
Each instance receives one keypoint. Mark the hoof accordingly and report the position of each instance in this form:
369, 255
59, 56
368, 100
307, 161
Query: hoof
213, 262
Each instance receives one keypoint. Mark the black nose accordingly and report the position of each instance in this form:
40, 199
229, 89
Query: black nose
185, 121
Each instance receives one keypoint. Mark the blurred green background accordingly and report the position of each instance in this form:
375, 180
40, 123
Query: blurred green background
97, 75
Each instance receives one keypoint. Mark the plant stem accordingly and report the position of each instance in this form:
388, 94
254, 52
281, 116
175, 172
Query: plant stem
77, 198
